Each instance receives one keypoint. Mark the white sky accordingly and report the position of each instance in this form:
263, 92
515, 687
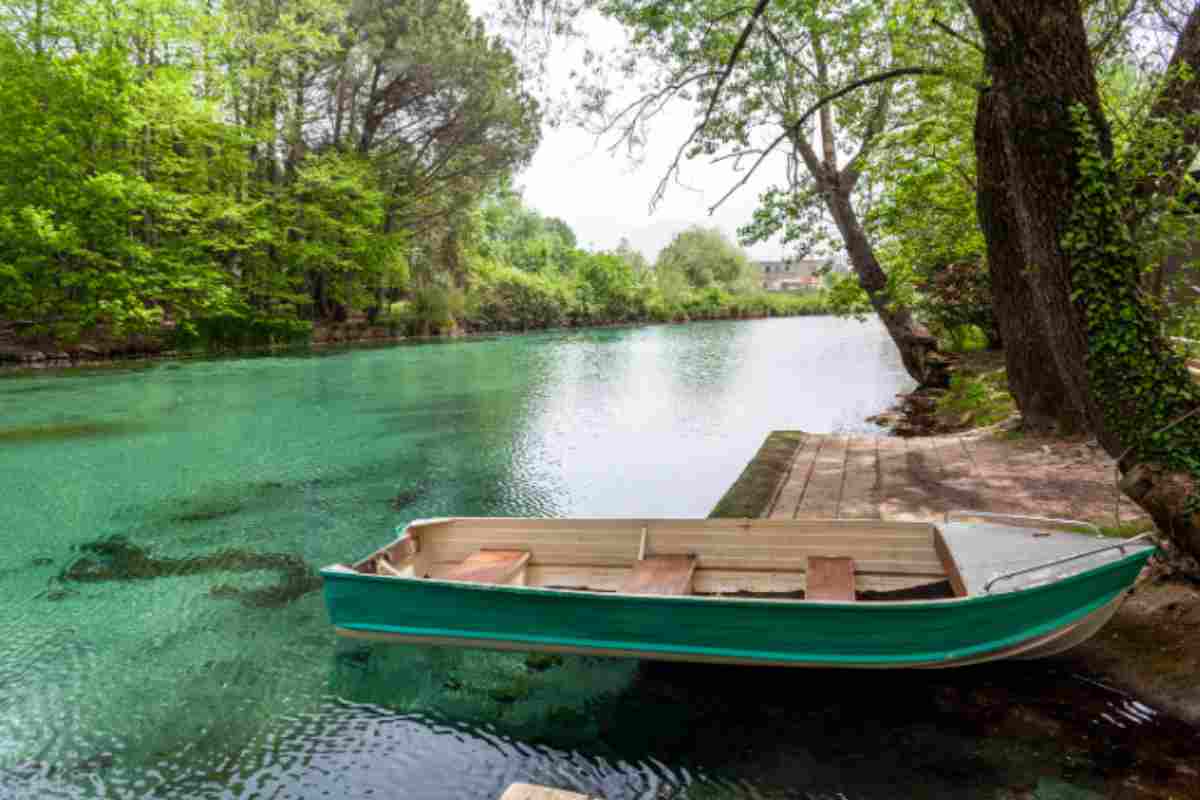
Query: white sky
604, 196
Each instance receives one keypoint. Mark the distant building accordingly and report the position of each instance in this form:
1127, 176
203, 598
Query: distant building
794, 274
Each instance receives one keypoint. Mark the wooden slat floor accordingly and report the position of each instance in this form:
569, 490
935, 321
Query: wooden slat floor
919, 479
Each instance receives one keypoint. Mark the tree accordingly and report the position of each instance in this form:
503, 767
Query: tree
926, 217
1060, 208
111, 173
633, 257
524, 238
704, 257
772, 85
437, 102
166, 160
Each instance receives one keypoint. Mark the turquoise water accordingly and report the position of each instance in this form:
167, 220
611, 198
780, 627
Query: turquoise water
164, 636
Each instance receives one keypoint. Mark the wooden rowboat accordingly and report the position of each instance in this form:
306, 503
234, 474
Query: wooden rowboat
747, 591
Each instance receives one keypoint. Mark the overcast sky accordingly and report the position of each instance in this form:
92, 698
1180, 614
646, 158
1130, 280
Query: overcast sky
605, 196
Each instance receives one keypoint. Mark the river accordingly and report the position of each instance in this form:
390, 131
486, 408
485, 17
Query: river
164, 636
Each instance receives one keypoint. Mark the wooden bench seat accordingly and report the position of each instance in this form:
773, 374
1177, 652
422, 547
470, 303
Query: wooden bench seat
491, 566
830, 578
660, 575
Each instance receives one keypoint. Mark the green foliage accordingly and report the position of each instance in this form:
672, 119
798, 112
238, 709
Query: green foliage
520, 236
975, 400
608, 289
528, 275
166, 162
103, 220
925, 216
966, 339
233, 331
955, 299
331, 216
506, 298
1148, 409
847, 298
434, 310
705, 257
1185, 324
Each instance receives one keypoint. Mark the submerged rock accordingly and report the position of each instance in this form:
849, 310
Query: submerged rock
116, 559
540, 662
204, 514
406, 497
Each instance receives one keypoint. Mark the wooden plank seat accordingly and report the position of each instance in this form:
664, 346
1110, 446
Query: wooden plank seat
384, 567
660, 575
830, 578
491, 566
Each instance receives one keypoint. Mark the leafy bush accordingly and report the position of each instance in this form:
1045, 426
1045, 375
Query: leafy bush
434, 310
233, 331
607, 290
975, 400
957, 296
506, 299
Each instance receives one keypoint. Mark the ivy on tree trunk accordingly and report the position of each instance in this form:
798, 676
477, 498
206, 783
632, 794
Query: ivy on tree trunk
1061, 209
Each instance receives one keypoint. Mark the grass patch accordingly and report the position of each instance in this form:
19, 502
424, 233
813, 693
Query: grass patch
755, 487
1127, 529
976, 399
964, 339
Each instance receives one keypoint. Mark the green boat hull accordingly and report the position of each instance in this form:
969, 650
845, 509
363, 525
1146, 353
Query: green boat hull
804, 633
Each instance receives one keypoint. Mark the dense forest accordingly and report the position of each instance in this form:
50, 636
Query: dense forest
232, 173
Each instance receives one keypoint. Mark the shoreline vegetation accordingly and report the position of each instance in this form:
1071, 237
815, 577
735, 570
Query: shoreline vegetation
402, 326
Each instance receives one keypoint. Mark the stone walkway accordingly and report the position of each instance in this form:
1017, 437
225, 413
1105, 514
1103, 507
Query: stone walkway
884, 477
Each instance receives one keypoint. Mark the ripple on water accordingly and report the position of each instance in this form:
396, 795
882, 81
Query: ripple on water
167, 686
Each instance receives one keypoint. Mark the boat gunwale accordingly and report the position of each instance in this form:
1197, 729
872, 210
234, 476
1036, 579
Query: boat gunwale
343, 572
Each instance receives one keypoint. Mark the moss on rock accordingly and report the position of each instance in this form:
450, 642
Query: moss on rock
755, 487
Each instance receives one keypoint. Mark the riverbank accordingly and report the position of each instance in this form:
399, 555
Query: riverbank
1151, 649
18, 356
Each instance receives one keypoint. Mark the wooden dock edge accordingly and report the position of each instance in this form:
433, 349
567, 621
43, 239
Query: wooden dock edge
753, 493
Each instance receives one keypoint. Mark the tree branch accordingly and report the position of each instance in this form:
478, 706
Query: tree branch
753, 168
759, 9
828, 144
774, 39
646, 106
793, 131
956, 35
1100, 48
1178, 103
875, 126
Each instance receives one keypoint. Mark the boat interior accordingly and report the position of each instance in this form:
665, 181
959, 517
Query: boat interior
788, 560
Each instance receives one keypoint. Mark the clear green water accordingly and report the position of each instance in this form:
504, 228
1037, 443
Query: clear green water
187, 672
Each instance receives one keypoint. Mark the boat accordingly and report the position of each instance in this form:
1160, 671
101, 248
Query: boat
804, 593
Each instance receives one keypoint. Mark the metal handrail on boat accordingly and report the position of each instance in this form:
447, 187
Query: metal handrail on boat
990, 515
1121, 545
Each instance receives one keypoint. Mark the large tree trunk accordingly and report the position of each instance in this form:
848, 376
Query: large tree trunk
1033, 379
918, 348
1114, 365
